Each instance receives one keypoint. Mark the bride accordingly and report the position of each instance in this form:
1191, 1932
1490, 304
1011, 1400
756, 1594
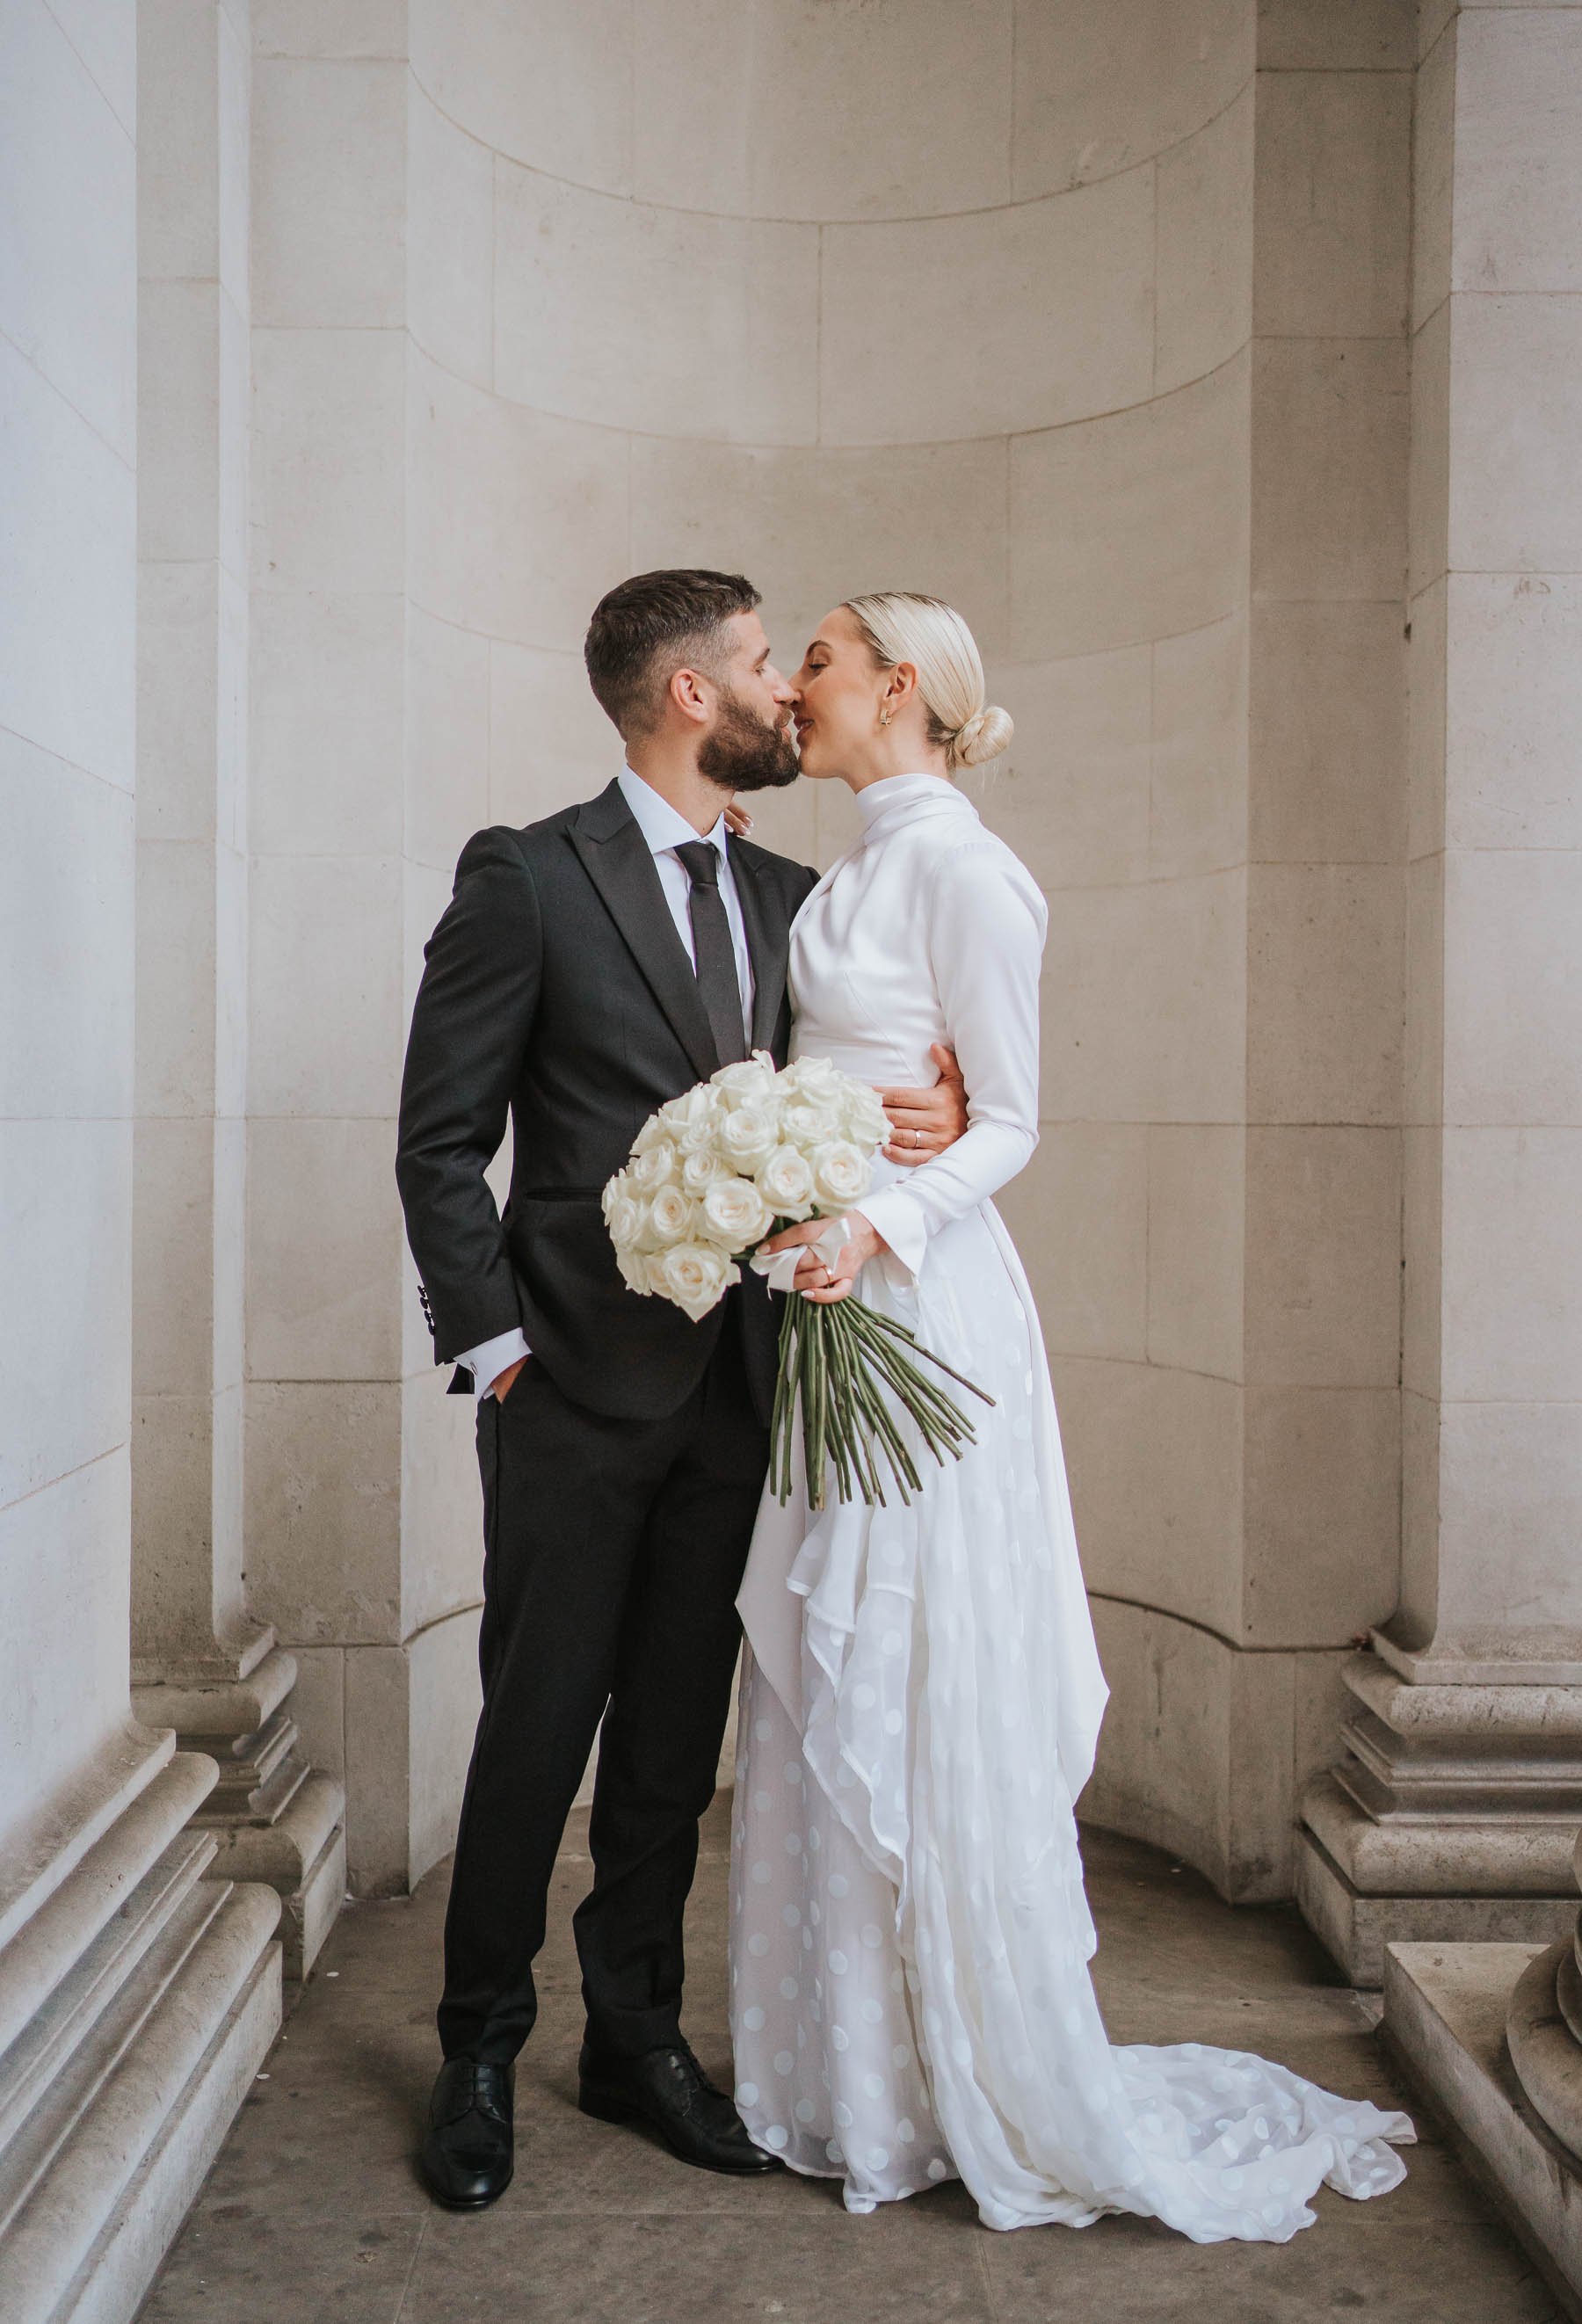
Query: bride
910, 1935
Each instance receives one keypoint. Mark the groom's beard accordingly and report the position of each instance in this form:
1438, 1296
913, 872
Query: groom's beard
744, 754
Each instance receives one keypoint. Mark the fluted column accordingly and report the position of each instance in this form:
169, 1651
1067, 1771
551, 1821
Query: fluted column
1452, 1808
201, 1664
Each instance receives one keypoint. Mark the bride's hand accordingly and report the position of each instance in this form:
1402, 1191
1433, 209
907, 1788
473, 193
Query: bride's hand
816, 1281
738, 822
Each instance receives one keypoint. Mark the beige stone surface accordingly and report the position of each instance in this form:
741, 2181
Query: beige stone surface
1097, 90
449, 240
1514, 702
491, 484
1196, 1206
329, 240
1433, 136
1172, 473
448, 709
963, 361
322, 1490
1329, 440
1322, 1517
1072, 794
1079, 1211
1518, 151
749, 108
1512, 975
1326, 732
549, 743
1325, 953
1323, 1229
329, 413
1429, 460
1198, 796
1152, 979
322, 1250
1513, 1265
554, 90
1518, 504
1426, 681
726, 311
1155, 1458
1348, 36
1203, 284
1332, 204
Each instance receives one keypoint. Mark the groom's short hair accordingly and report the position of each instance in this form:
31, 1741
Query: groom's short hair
651, 627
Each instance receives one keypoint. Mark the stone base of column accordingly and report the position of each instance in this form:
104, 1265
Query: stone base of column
1450, 2010
271, 1816
138, 1997
1451, 1814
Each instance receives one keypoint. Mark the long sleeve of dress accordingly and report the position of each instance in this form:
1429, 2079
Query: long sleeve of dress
985, 927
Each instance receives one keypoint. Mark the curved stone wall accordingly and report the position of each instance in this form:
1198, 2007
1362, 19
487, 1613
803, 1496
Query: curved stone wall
718, 283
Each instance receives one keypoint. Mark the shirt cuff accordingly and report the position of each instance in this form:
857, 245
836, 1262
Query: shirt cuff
896, 1217
487, 1362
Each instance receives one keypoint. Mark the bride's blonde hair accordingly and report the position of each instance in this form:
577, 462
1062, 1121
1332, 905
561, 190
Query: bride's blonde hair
900, 626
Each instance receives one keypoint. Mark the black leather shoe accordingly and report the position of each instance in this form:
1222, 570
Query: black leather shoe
669, 2088
467, 2156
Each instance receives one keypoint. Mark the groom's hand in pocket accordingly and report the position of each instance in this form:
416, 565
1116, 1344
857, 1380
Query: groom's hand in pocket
504, 1381
924, 1122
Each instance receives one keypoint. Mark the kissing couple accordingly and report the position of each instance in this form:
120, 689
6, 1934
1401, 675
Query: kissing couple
921, 1698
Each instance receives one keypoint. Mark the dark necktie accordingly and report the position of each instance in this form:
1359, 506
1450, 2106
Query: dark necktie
713, 949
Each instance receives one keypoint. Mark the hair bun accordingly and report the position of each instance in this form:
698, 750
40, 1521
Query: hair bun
984, 736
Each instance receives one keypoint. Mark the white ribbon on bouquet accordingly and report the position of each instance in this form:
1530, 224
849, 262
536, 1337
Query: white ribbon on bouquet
779, 1269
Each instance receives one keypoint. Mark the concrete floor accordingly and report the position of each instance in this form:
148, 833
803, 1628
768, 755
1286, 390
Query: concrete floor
313, 2212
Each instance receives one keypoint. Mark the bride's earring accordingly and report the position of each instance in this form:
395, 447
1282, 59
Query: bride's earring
884, 717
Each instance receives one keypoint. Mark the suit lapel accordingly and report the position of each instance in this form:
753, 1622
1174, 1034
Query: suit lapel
769, 944
615, 856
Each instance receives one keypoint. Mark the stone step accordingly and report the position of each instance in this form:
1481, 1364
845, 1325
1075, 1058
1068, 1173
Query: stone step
99, 1883
85, 1991
95, 2184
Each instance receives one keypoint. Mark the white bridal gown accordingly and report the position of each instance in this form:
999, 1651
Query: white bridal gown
910, 1935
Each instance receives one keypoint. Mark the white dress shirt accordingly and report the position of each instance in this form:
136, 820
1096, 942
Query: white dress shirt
665, 829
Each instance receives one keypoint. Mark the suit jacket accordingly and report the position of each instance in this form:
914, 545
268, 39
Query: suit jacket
558, 992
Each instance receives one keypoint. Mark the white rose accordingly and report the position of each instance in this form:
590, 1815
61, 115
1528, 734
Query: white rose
623, 1216
657, 1165
815, 1078
749, 1135
670, 1216
737, 1214
862, 1117
693, 1275
699, 1171
652, 1132
750, 1082
786, 1183
634, 1271
692, 1117
841, 1173
807, 1124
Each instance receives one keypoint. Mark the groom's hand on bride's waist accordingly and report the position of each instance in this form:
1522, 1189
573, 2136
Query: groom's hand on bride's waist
924, 1121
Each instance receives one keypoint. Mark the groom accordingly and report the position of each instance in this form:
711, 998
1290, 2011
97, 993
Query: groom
587, 969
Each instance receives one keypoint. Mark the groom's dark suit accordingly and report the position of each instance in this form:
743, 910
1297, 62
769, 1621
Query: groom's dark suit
622, 1473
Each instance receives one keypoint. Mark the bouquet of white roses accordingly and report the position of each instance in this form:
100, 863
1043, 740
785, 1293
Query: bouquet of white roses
715, 1171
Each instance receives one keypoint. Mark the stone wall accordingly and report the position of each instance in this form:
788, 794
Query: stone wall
1077, 322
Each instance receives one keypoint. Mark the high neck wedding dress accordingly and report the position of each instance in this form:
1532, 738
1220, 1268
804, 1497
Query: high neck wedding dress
910, 1935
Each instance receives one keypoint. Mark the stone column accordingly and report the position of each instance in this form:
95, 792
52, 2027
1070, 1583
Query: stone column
138, 1996
201, 1664
1453, 1808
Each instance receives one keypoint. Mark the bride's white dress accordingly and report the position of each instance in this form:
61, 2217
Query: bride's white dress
910, 1935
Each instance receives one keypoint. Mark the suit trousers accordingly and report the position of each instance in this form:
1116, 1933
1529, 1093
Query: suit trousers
615, 1550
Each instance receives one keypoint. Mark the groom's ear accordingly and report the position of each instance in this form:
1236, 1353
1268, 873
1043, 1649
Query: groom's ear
691, 695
